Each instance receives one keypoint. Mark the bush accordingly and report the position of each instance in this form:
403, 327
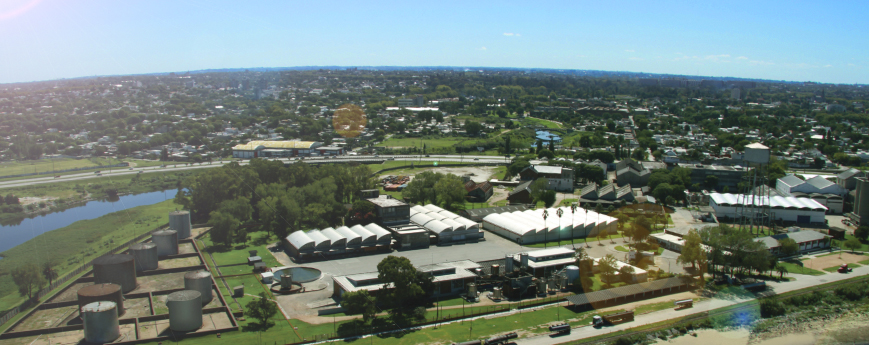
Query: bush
850, 292
771, 307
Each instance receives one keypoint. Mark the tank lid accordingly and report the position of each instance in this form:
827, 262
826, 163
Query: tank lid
572, 267
179, 213
97, 307
184, 295
164, 232
99, 290
143, 246
109, 259
197, 275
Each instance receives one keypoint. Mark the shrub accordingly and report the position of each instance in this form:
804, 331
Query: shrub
771, 307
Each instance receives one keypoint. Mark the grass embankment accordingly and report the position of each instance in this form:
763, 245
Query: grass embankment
541, 122
834, 268
124, 184
78, 243
419, 142
44, 165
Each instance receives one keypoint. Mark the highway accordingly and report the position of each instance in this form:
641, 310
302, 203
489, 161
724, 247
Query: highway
174, 167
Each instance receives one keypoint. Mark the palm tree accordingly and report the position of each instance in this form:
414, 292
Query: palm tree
781, 269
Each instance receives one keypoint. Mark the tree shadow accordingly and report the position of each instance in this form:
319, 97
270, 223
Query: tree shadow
257, 327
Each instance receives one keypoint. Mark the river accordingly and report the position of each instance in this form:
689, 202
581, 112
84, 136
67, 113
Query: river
13, 235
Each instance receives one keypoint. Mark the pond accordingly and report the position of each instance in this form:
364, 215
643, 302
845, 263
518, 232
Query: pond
13, 235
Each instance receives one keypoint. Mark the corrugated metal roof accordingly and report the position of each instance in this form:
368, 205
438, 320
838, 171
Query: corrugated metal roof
282, 144
547, 169
759, 200
300, 241
628, 290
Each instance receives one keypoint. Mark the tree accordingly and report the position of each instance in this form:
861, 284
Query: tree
473, 128
626, 273
641, 228
639, 154
548, 198
361, 212
662, 191
222, 227
11, 199
692, 250
607, 268
862, 233
711, 182
501, 113
49, 271
781, 269
28, 279
261, 309
450, 192
360, 302
601, 235
545, 153
853, 244
404, 287
537, 188
789, 247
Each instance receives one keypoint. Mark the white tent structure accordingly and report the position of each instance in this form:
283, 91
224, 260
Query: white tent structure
321, 242
529, 226
446, 225
384, 237
329, 241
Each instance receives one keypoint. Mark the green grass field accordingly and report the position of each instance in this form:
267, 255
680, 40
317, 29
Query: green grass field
79, 242
798, 269
42, 165
419, 142
541, 122
834, 268
238, 254
139, 183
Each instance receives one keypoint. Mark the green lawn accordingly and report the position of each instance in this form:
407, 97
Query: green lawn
43, 165
799, 269
419, 142
541, 122
864, 247
622, 249
648, 308
834, 268
79, 242
75, 190
238, 254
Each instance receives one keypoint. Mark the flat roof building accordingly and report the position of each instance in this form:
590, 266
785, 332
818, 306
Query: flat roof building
784, 209
277, 148
390, 211
449, 277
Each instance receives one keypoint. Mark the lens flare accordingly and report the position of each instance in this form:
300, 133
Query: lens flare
16, 9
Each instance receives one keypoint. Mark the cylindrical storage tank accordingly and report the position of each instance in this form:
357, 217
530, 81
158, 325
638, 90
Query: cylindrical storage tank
199, 281
523, 260
287, 281
496, 292
166, 241
116, 269
472, 289
145, 255
541, 285
180, 221
496, 270
572, 273
508, 264
100, 322
99, 293
185, 310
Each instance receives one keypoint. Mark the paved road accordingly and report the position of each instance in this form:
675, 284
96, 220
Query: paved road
183, 167
801, 282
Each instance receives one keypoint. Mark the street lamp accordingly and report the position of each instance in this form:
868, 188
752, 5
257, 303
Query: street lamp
572, 224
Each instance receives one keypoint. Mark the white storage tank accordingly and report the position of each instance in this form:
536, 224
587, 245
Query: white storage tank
572, 273
756, 153
100, 322
145, 255
180, 221
185, 310
523, 260
199, 281
508, 264
166, 241
116, 269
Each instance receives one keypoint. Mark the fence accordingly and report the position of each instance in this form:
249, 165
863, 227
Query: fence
8, 315
119, 165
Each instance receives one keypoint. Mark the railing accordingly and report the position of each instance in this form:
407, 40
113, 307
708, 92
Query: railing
8, 315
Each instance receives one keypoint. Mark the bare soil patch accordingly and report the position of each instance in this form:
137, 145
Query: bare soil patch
833, 261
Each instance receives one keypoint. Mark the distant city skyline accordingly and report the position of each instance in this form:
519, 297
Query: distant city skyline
793, 41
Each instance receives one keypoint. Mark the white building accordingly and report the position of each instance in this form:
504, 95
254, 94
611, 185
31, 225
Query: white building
528, 226
787, 209
791, 183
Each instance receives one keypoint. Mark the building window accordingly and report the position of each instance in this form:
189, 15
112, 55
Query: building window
457, 284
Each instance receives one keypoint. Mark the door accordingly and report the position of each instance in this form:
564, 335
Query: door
804, 219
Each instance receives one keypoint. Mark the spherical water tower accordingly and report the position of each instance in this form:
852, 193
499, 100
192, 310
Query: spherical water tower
145, 255
100, 322
166, 241
116, 269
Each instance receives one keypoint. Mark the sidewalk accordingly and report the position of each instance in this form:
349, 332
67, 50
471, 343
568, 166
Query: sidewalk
802, 281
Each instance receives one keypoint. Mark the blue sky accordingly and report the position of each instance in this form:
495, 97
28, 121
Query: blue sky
824, 41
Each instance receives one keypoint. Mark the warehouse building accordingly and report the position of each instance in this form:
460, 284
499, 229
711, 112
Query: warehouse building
808, 240
446, 226
784, 209
450, 278
282, 148
545, 262
329, 242
390, 211
477, 214
791, 184
528, 226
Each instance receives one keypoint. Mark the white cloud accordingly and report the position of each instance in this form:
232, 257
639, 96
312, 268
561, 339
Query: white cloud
482, 48
508, 34
742, 58
629, 50
635, 58
828, 66
760, 62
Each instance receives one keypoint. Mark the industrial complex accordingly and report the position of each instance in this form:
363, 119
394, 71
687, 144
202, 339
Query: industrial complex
544, 225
